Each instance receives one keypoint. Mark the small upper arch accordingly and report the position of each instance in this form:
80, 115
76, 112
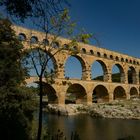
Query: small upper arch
105, 55
122, 59
111, 56
98, 54
46, 42
91, 52
34, 40
117, 58
22, 37
83, 50
55, 44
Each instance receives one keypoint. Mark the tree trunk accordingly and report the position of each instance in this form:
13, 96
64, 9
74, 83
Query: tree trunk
40, 109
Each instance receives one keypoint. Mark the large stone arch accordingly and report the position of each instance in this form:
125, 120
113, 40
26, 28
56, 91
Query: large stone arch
119, 93
83, 65
50, 93
36, 53
100, 94
134, 92
132, 75
118, 77
104, 69
76, 93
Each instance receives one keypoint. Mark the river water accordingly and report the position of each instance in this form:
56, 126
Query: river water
93, 129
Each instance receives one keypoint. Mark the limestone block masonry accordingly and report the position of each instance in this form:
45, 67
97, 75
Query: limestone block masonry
105, 90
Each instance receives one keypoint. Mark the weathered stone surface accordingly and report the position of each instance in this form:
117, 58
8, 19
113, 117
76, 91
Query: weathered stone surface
87, 55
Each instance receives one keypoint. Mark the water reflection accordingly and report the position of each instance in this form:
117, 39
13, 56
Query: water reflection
93, 129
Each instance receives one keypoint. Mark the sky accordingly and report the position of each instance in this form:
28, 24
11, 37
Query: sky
115, 23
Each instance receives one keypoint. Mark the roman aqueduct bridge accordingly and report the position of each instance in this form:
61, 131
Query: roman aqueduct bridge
86, 89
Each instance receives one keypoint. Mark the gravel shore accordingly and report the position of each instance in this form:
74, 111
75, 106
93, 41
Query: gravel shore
122, 109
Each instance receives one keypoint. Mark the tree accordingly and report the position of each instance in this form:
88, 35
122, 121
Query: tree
51, 17
15, 113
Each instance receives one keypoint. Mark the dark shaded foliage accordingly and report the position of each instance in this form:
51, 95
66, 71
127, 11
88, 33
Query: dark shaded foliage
16, 105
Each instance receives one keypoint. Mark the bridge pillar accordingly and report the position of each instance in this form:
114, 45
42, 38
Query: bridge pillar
87, 73
61, 98
89, 98
137, 77
126, 77
108, 77
111, 96
60, 71
127, 95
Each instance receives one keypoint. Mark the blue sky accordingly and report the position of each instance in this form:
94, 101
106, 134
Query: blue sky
115, 23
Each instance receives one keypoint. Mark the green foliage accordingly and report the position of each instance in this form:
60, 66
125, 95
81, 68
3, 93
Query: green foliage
83, 36
11, 71
16, 113
21, 9
16, 104
116, 77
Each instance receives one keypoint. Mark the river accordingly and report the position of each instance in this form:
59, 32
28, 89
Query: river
93, 129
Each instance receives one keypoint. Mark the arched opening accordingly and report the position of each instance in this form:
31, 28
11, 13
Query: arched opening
75, 68
118, 74
111, 56
34, 40
131, 75
98, 54
75, 48
22, 37
45, 42
126, 60
105, 55
76, 94
133, 92
55, 45
49, 94
117, 58
122, 60
66, 46
36, 60
100, 94
91, 52
99, 71
83, 50
119, 93
134, 62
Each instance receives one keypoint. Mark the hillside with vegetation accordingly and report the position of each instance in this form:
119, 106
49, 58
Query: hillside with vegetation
116, 77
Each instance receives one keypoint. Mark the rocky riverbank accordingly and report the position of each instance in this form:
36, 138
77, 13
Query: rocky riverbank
125, 109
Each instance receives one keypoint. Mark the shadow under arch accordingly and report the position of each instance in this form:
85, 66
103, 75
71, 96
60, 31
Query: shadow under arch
76, 94
132, 75
134, 92
118, 76
100, 94
49, 94
81, 71
119, 93
103, 76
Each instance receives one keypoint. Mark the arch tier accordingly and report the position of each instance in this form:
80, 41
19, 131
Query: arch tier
87, 55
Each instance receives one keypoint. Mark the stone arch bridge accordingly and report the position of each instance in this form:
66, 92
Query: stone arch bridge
86, 90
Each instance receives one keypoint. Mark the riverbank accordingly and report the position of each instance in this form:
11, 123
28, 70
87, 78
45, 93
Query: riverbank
122, 109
